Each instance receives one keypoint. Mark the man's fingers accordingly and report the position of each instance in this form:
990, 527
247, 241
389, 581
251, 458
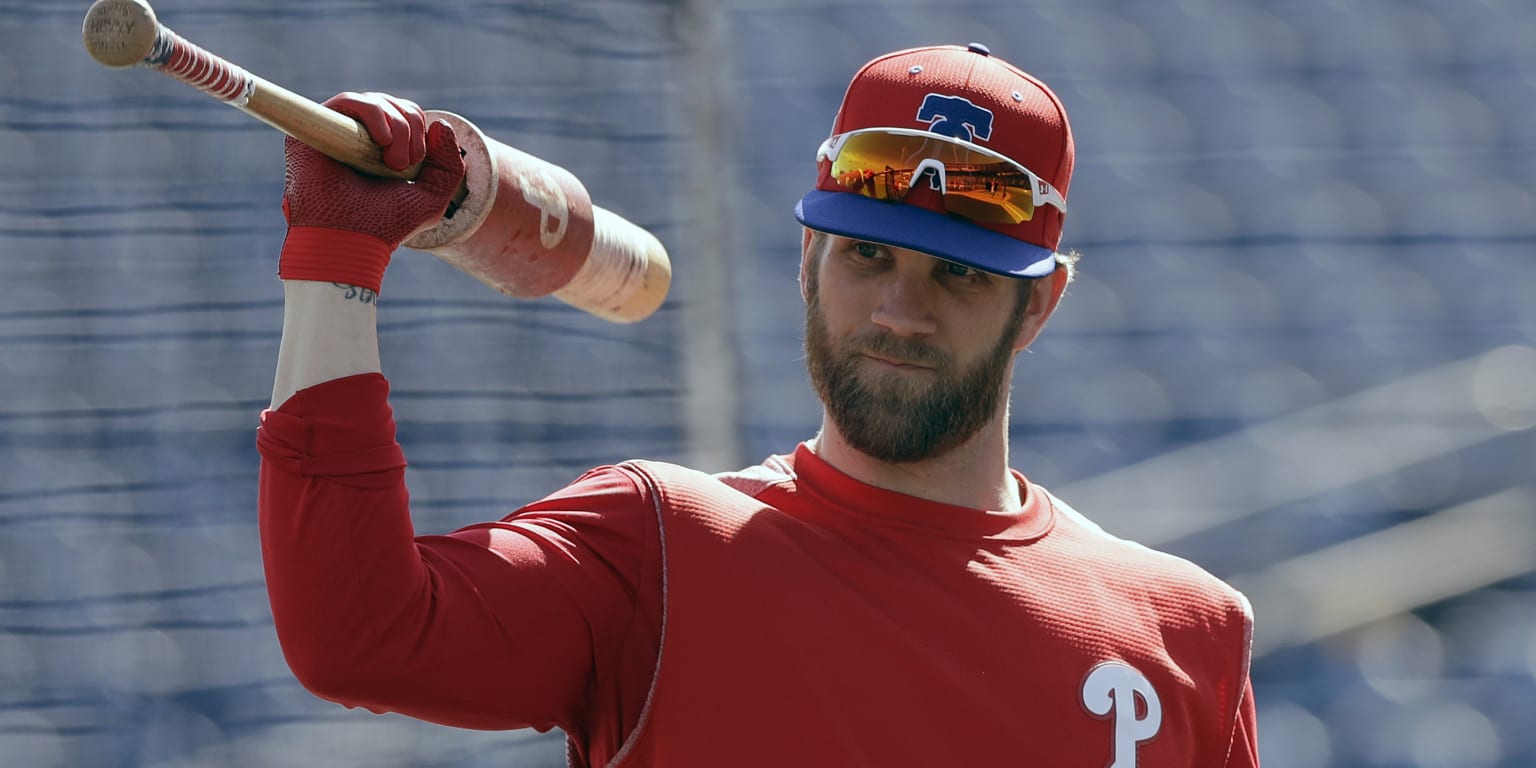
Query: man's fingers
396, 125
416, 127
358, 107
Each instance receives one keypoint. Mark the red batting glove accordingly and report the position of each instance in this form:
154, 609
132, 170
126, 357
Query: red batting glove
343, 225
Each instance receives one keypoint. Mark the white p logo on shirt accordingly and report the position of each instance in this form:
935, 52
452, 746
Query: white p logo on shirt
1110, 691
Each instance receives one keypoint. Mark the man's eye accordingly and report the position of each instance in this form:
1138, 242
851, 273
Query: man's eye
867, 250
959, 270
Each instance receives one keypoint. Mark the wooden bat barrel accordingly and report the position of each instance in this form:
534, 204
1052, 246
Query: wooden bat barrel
528, 228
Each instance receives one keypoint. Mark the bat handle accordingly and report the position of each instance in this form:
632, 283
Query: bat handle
328, 131
123, 33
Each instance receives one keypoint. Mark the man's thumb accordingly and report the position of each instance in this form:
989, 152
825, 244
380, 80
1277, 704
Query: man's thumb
443, 167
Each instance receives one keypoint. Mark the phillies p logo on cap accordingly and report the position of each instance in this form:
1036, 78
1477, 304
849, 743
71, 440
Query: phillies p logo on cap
956, 116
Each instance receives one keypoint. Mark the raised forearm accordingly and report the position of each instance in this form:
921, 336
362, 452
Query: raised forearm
330, 330
342, 229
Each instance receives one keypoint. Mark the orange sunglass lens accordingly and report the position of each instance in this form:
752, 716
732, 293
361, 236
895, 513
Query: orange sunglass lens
977, 186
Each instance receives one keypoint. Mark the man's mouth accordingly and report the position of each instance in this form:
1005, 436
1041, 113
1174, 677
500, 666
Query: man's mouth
899, 363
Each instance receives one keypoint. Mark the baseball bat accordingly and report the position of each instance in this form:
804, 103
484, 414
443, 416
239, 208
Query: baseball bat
519, 224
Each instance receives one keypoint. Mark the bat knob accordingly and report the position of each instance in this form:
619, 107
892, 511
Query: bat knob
120, 33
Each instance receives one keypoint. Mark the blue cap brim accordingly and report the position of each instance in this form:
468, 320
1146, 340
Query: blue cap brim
907, 226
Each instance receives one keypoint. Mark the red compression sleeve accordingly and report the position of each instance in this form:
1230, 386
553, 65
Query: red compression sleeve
499, 625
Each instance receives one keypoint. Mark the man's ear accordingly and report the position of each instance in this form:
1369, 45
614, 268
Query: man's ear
807, 261
1044, 296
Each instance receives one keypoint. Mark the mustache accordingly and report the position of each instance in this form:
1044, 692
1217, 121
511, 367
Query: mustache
885, 344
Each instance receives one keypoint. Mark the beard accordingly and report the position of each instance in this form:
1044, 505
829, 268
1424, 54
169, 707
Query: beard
903, 419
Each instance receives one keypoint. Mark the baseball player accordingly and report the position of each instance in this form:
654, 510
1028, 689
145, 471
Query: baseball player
888, 592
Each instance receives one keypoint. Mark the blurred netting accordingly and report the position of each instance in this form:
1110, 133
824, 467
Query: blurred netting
1302, 350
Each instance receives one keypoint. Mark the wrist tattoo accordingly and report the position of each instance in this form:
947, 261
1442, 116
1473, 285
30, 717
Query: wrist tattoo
358, 293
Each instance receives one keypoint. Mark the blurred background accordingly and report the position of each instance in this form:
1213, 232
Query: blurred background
1301, 352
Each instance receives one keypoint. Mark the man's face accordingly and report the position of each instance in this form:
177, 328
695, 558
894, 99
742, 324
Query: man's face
909, 354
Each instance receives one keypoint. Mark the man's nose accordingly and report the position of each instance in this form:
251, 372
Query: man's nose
906, 305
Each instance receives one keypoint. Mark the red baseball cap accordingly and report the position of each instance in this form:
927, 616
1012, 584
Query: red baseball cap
965, 93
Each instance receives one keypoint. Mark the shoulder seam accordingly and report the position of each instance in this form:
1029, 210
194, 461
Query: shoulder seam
643, 479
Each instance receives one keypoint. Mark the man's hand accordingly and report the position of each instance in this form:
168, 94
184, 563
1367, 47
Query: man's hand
342, 225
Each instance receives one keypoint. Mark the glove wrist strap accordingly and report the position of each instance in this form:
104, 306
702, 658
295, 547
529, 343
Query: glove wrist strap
334, 256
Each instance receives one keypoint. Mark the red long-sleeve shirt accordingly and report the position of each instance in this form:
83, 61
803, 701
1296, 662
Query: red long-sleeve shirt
554, 616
